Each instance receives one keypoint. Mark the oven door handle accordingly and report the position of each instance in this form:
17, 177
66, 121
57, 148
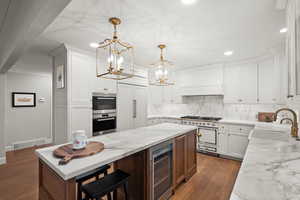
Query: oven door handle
106, 119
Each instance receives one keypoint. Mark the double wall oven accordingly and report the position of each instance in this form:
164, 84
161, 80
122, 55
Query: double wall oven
104, 113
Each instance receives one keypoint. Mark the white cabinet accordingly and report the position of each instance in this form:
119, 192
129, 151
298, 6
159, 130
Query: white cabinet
248, 83
205, 80
222, 140
269, 84
259, 81
125, 107
240, 83
231, 84
131, 106
155, 95
140, 103
237, 144
233, 140
80, 73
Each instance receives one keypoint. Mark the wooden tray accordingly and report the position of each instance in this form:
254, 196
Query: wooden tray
67, 153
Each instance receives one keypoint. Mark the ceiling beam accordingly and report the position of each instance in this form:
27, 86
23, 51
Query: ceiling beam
281, 4
23, 22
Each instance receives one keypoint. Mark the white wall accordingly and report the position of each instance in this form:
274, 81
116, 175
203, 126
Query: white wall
28, 123
2, 117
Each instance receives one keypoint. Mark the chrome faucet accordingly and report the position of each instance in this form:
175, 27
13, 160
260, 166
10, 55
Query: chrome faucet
294, 129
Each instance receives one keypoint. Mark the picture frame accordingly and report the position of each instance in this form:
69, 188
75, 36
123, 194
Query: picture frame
23, 99
60, 77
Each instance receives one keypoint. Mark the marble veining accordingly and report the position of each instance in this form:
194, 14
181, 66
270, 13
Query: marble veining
215, 106
117, 146
270, 169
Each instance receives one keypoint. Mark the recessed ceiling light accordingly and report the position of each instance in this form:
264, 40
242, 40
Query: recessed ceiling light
188, 2
228, 53
283, 30
94, 45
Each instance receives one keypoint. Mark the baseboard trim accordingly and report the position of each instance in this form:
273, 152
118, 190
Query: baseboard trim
2, 160
9, 148
28, 143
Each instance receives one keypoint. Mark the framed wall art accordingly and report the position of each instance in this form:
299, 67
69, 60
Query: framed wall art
23, 99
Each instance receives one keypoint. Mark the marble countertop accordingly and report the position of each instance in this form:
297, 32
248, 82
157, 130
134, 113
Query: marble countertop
271, 167
117, 146
224, 121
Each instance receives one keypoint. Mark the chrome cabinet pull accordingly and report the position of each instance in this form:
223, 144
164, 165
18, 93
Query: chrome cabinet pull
134, 108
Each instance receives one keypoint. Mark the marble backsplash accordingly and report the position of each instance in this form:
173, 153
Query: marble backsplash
212, 106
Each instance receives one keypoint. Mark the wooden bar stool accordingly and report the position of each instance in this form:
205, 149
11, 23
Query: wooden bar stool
91, 174
106, 185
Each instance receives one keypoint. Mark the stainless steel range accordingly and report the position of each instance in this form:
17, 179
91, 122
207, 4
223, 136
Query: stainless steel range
207, 140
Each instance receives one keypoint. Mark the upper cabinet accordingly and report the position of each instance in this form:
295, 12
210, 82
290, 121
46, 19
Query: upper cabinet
269, 83
240, 83
254, 82
205, 80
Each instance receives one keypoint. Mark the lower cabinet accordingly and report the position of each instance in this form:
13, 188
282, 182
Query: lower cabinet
185, 158
180, 159
233, 140
191, 155
237, 144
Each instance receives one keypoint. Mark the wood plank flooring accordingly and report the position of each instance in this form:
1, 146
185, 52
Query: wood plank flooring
214, 179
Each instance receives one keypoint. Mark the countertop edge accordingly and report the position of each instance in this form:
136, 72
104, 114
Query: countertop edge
38, 152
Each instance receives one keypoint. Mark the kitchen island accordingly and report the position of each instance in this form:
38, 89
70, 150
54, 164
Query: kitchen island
270, 169
127, 150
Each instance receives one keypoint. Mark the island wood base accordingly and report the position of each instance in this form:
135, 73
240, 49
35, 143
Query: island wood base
53, 187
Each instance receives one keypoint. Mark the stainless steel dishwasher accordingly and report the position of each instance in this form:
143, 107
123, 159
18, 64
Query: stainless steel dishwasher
161, 162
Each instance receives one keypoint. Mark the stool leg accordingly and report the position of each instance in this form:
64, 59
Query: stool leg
108, 196
126, 190
115, 196
79, 192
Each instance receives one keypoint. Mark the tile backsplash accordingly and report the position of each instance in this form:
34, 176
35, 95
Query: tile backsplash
212, 106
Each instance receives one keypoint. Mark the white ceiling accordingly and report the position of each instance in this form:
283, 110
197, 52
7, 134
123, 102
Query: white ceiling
195, 35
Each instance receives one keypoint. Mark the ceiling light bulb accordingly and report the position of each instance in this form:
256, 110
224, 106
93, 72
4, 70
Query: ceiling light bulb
228, 53
283, 30
188, 2
94, 45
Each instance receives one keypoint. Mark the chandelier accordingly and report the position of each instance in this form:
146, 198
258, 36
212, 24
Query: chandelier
114, 57
160, 71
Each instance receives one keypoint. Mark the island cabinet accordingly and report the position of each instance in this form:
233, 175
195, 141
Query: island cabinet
185, 158
165, 162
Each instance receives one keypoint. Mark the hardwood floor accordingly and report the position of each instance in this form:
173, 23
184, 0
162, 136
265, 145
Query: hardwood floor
214, 179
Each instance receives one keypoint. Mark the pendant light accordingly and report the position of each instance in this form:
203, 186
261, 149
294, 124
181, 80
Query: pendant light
160, 73
114, 57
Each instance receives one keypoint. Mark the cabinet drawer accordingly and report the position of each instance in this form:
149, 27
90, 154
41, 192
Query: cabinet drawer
240, 129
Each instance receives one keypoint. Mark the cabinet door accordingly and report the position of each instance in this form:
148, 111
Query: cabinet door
248, 83
269, 83
140, 103
222, 143
155, 95
191, 154
237, 144
231, 84
125, 107
240, 83
80, 75
180, 152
